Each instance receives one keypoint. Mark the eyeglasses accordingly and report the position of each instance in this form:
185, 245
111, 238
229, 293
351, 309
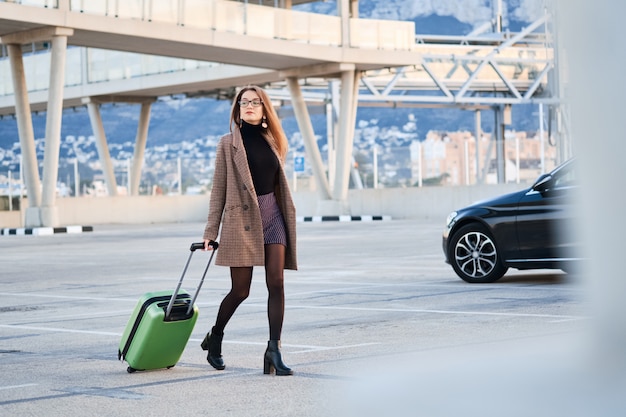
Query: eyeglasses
255, 103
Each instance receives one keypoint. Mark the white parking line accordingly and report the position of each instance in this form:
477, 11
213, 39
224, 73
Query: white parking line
57, 329
304, 348
17, 386
412, 310
558, 317
63, 297
307, 349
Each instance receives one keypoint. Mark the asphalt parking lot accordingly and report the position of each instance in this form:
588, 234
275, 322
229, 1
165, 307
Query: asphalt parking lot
376, 324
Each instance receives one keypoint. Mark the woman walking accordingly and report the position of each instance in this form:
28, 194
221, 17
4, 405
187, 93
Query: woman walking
252, 202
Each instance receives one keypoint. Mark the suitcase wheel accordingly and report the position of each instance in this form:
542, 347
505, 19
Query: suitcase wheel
171, 366
130, 370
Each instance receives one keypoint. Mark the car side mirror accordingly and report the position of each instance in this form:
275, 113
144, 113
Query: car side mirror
543, 183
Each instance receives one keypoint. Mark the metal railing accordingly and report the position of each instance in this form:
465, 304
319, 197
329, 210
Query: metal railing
245, 19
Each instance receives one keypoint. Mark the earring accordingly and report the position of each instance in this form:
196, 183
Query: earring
240, 123
264, 123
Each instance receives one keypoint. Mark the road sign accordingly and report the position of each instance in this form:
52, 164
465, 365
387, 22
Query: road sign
298, 164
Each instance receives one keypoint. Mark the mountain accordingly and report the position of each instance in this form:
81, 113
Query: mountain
203, 117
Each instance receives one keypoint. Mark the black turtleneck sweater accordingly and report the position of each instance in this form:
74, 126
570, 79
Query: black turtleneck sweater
261, 159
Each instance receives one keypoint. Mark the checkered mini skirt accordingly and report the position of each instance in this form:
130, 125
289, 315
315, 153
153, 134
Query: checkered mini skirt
272, 219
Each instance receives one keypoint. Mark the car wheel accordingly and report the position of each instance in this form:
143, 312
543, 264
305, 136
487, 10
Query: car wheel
474, 255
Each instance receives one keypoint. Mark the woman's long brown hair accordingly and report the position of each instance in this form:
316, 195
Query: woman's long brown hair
273, 122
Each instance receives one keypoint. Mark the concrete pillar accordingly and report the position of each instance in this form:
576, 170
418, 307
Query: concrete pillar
345, 139
499, 138
26, 134
351, 127
478, 135
330, 141
36, 215
49, 214
306, 128
354, 9
356, 175
101, 144
333, 130
343, 10
140, 147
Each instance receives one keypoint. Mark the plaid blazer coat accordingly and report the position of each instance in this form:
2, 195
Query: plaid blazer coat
234, 205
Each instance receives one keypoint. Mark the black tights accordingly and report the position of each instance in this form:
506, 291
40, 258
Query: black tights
241, 279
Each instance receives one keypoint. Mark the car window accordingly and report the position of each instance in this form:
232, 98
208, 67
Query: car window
565, 177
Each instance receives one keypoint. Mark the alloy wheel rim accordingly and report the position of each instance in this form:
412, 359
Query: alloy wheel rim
475, 254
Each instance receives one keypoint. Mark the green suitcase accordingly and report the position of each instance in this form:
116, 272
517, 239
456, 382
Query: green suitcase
160, 326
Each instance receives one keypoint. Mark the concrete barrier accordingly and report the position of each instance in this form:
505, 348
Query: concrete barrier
398, 203
13, 218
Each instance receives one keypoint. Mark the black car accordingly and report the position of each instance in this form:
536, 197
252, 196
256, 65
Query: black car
528, 229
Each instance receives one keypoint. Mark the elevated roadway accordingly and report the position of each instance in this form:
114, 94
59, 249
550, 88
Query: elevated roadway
502, 68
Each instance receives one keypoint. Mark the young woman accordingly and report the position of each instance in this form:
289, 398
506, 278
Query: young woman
252, 203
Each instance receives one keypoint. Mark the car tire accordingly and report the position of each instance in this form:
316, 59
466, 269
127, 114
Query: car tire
474, 255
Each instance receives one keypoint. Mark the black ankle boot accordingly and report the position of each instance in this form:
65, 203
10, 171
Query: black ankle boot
213, 343
273, 359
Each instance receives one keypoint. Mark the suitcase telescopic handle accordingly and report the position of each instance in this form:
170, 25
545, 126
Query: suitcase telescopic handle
194, 246
200, 245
